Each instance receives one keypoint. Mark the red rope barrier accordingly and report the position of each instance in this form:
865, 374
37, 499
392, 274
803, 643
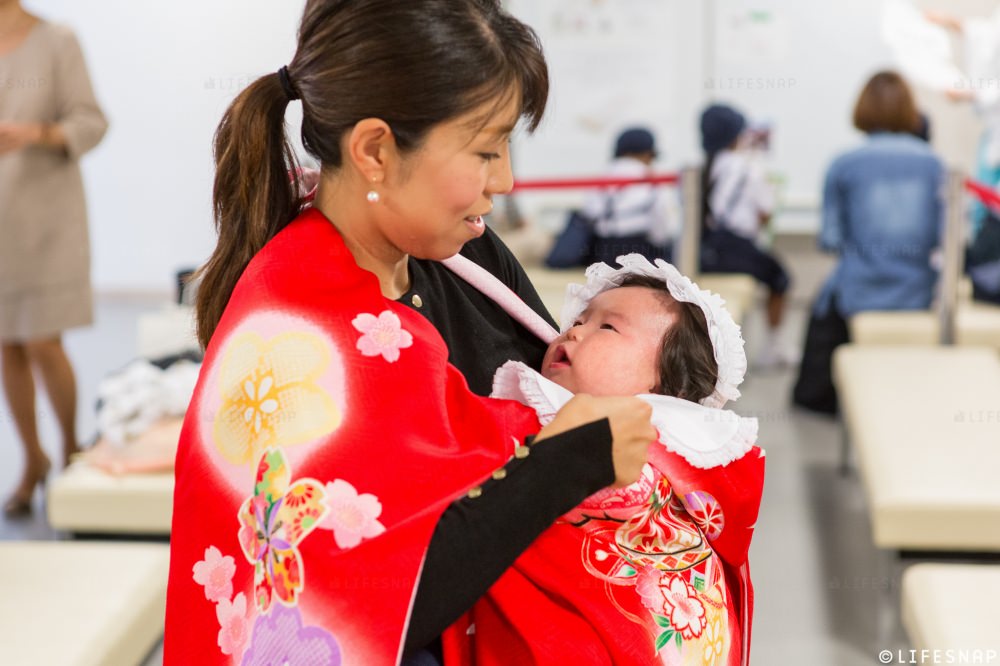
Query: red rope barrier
984, 193
580, 183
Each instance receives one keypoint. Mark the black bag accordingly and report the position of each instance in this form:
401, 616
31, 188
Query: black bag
982, 261
574, 245
814, 389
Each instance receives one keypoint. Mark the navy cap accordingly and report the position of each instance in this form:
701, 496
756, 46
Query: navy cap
635, 141
720, 126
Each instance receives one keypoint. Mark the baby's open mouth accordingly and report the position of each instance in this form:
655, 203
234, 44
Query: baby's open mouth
560, 356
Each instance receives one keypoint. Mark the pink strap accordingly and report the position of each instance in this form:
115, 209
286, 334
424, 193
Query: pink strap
491, 286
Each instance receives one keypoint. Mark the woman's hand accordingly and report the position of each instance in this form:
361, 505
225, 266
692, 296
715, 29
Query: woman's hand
15, 136
631, 430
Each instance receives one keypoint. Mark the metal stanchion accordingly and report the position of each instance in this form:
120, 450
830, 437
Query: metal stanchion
953, 242
689, 244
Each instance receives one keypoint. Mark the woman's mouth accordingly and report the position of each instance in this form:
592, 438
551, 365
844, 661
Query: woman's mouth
477, 224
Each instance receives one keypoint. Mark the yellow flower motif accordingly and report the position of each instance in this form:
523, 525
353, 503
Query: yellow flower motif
714, 641
270, 396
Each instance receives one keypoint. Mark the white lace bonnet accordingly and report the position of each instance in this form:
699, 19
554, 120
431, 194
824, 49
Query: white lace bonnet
727, 341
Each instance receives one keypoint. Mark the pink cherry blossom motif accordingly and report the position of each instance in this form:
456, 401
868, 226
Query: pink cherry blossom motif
382, 335
215, 572
352, 517
685, 610
233, 625
647, 585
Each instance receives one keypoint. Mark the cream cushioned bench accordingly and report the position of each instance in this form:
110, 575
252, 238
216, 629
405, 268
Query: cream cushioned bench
81, 604
952, 607
925, 425
86, 499
976, 324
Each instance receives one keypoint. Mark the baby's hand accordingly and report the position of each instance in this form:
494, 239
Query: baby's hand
631, 429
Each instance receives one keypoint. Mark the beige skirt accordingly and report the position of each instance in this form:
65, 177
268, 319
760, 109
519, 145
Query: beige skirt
45, 312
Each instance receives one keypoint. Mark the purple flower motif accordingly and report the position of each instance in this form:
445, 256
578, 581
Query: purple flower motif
279, 638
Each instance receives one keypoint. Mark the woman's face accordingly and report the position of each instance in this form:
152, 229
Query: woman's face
613, 347
434, 199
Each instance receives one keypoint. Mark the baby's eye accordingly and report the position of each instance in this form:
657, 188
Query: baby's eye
576, 323
609, 327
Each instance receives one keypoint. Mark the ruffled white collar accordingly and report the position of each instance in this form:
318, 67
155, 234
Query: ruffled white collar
704, 436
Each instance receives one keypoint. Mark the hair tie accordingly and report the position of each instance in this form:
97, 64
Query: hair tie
286, 84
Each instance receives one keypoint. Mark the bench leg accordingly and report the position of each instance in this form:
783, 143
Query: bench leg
845, 452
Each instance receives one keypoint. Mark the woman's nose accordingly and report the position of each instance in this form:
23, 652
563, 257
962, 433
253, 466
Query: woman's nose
501, 178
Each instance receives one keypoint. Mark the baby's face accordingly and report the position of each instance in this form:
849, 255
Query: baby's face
613, 347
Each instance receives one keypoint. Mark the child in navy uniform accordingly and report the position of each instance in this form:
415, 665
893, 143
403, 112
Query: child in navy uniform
737, 203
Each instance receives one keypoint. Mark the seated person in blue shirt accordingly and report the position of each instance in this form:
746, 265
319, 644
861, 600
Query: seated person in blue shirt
882, 214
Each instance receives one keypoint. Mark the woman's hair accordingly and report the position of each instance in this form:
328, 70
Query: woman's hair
886, 105
412, 63
687, 367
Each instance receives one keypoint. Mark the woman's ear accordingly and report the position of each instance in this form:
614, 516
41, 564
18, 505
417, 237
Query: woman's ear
371, 147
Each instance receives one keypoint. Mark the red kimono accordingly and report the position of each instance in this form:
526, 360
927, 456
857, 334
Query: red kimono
326, 435
655, 573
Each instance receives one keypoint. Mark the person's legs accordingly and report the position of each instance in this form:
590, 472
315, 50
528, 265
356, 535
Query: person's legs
19, 390
775, 309
49, 358
726, 252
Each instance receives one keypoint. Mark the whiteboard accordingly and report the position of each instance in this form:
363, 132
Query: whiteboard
795, 64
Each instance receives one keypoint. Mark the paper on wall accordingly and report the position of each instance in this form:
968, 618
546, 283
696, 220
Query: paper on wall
921, 49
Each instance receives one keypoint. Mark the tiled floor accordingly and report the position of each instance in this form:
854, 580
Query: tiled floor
824, 595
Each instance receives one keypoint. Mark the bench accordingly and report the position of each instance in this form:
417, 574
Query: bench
82, 604
976, 324
924, 423
84, 499
952, 607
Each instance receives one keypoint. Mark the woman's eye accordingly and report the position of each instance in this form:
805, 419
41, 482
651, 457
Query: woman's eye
489, 157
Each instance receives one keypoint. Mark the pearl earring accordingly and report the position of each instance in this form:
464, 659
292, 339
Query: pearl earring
372, 196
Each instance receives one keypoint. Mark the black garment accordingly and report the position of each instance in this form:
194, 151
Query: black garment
722, 251
982, 261
476, 540
814, 389
480, 335
608, 248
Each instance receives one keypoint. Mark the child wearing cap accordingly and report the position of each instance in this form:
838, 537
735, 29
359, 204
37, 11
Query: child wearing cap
638, 218
737, 203
670, 551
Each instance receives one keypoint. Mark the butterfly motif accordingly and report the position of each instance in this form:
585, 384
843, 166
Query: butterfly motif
273, 522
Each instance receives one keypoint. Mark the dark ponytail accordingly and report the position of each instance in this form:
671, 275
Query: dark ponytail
253, 197
413, 64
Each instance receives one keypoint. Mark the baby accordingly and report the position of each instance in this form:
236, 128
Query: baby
670, 550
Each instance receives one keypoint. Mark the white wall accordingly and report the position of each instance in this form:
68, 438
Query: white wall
164, 73
798, 64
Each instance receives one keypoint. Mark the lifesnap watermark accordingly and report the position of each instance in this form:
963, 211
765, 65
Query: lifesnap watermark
977, 416
750, 83
860, 583
229, 83
944, 656
23, 83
